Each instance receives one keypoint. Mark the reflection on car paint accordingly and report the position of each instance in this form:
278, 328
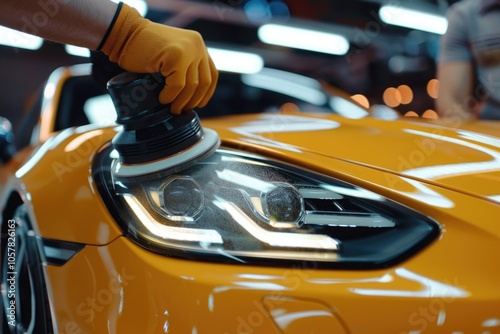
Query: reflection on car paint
292, 315
385, 278
429, 288
480, 138
495, 198
280, 123
424, 194
48, 145
449, 170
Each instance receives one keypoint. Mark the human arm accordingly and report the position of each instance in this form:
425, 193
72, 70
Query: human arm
455, 89
455, 71
81, 23
135, 43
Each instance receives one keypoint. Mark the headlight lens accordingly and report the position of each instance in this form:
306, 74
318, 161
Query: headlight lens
232, 207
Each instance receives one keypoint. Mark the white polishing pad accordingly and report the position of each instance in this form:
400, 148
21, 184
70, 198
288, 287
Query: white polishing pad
209, 143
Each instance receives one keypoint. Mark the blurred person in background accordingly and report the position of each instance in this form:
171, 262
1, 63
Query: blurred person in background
122, 34
469, 61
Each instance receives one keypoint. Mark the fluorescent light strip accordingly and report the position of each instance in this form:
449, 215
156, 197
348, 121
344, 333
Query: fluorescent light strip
347, 108
286, 87
17, 39
140, 5
77, 51
305, 39
224, 60
413, 19
293, 77
100, 110
236, 61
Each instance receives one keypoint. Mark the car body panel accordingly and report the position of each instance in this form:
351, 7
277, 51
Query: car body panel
65, 162
131, 289
125, 282
60, 169
113, 285
460, 159
231, 298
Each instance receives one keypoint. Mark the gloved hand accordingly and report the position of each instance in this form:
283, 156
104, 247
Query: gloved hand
141, 46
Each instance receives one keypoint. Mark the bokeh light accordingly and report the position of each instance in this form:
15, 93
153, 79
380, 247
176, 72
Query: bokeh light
361, 99
430, 114
392, 97
406, 94
433, 88
411, 114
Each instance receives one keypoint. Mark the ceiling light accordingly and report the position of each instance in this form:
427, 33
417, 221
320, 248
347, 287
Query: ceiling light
225, 60
347, 108
413, 19
17, 39
291, 84
140, 5
305, 39
236, 61
77, 51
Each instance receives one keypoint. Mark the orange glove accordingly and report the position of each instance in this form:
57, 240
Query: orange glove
141, 46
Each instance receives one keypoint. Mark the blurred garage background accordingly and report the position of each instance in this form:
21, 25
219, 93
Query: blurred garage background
385, 55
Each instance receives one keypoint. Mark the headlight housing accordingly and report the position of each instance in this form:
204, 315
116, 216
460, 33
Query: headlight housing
232, 207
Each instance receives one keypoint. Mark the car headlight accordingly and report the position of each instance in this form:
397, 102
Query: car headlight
233, 207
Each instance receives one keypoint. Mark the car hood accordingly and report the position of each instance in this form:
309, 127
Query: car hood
464, 156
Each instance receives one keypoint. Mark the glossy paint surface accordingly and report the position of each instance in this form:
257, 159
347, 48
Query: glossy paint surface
460, 159
116, 286
450, 286
58, 180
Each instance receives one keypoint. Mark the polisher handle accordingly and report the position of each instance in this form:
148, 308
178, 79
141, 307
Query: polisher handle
150, 131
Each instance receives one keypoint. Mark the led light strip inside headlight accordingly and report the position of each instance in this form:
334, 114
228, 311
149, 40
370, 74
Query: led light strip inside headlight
168, 232
278, 239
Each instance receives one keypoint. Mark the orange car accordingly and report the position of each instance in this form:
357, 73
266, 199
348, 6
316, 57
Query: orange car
278, 221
